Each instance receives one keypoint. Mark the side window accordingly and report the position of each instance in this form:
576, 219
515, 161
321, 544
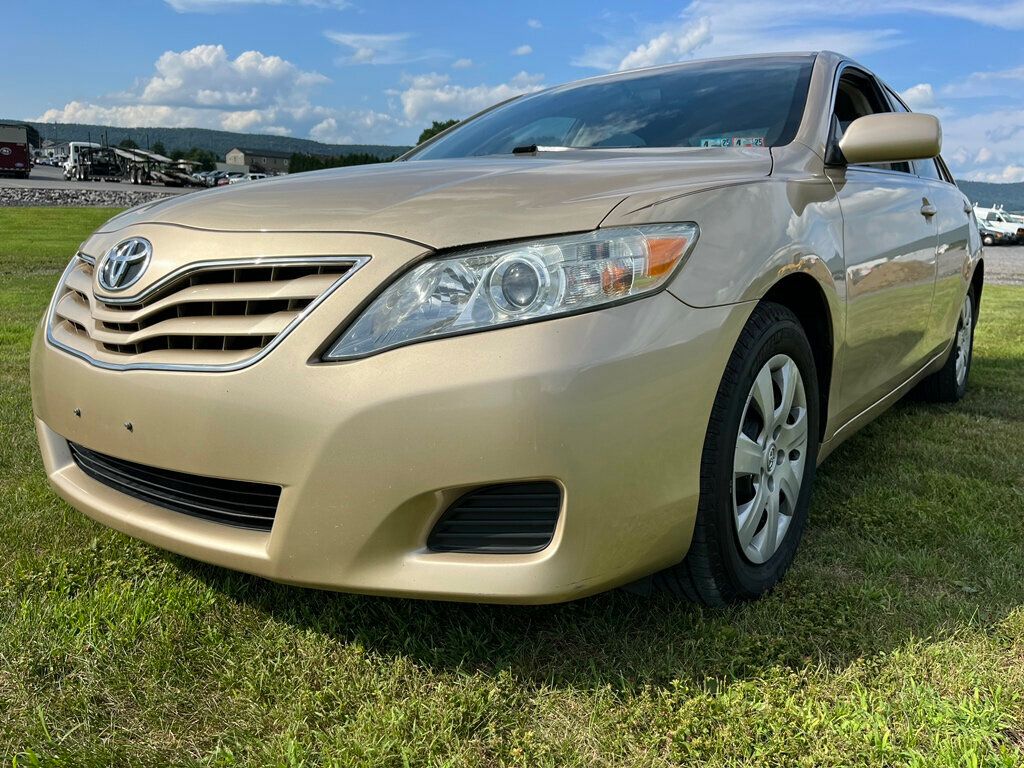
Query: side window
927, 169
857, 96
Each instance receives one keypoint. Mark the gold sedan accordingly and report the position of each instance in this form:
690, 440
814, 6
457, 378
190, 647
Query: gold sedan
597, 335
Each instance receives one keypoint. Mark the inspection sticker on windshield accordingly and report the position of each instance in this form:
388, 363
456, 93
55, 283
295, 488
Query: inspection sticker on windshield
733, 141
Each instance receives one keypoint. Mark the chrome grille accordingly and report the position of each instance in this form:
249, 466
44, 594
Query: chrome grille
212, 315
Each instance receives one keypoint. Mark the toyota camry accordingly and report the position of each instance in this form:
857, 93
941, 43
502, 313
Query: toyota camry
594, 336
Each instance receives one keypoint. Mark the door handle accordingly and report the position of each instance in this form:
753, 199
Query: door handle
928, 210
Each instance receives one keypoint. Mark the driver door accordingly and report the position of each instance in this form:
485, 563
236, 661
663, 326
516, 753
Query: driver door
890, 238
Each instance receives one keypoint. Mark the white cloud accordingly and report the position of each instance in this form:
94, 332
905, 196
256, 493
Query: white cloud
371, 49
534, 23
716, 28
380, 48
206, 76
670, 45
213, 6
920, 96
722, 29
1000, 83
357, 126
205, 88
433, 97
130, 116
523, 50
462, 64
985, 145
1006, 175
1005, 15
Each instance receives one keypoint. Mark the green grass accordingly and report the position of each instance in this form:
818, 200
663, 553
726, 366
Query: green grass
896, 639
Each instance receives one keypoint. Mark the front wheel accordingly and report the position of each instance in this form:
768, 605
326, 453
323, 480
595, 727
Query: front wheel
757, 467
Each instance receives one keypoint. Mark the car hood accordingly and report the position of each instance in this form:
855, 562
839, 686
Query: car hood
445, 203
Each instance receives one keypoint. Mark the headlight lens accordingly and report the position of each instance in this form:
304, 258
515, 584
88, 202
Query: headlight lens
509, 284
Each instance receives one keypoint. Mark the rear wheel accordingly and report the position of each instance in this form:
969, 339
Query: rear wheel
757, 467
949, 383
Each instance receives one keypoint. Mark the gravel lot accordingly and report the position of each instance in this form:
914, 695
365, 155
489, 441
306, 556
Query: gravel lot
13, 197
1004, 264
47, 187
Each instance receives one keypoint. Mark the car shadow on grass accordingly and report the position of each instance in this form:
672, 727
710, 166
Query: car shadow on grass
909, 538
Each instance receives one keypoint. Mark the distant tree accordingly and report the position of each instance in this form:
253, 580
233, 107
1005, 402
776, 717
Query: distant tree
128, 144
201, 159
301, 162
158, 147
33, 136
435, 128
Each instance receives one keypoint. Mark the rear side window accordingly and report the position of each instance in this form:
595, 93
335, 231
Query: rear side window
858, 96
927, 169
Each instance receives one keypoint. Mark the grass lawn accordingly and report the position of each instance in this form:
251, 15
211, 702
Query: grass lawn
896, 639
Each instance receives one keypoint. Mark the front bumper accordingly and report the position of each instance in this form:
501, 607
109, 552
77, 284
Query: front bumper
612, 405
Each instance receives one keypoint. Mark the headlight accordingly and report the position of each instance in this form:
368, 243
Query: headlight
508, 284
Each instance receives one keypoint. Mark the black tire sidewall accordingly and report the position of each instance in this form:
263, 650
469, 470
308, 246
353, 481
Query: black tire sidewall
749, 580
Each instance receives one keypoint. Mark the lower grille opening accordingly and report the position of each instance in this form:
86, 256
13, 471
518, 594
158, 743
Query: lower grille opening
233, 502
515, 518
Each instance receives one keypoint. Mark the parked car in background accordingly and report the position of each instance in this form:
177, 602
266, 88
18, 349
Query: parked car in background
229, 178
991, 236
997, 220
247, 177
540, 356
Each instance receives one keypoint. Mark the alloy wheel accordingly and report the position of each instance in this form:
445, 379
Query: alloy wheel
770, 457
964, 340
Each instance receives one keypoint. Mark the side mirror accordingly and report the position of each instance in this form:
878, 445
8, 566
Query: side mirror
891, 137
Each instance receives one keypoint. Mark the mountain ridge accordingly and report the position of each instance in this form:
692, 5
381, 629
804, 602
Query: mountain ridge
988, 194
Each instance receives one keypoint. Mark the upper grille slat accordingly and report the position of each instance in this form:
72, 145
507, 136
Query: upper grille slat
243, 325
300, 288
212, 315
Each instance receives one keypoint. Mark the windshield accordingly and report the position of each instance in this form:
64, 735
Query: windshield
738, 102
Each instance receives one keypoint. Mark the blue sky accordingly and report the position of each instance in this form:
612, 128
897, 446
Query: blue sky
378, 72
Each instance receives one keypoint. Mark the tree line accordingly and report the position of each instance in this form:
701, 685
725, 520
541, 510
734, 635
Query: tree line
302, 162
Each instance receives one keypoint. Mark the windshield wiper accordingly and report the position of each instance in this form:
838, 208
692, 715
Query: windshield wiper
532, 149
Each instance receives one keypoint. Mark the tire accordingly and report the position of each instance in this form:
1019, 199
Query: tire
949, 383
988, 240
719, 568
